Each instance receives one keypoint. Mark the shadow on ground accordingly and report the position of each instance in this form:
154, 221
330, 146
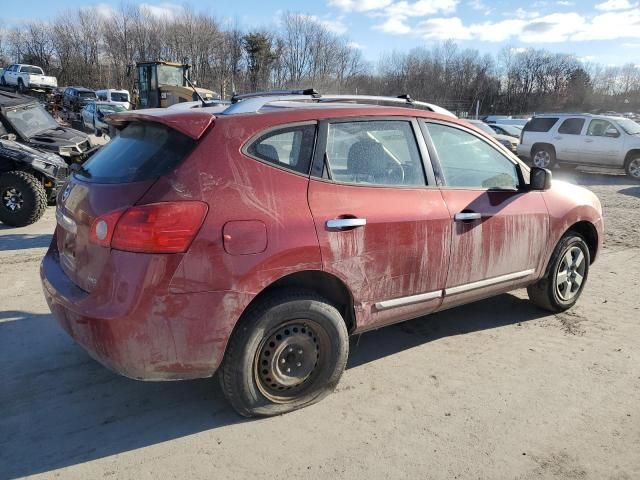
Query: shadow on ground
21, 241
61, 408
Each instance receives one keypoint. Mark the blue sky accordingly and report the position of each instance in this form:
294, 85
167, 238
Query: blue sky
604, 31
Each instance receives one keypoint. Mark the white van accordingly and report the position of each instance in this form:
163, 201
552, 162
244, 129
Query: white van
120, 97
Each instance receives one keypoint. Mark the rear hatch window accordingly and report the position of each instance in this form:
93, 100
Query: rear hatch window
141, 152
115, 178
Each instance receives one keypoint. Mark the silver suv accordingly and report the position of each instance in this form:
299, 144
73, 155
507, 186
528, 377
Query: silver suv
582, 139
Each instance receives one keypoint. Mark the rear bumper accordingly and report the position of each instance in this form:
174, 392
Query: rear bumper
138, 334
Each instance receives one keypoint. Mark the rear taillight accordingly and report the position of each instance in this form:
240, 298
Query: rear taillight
167, 227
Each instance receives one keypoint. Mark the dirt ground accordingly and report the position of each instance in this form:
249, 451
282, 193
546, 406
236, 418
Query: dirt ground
497, 389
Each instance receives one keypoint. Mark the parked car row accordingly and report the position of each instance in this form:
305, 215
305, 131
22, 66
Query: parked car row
76, 98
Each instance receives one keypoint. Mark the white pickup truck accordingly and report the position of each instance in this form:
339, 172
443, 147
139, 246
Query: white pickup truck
27, 77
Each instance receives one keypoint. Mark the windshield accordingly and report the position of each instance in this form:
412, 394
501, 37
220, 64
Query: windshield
169, 75
119, 97
32, 69
31, 120
87, 94
629, 126
483, 126
111, 108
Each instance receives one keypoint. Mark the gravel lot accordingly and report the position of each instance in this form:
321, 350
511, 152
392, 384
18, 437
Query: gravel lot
496, 389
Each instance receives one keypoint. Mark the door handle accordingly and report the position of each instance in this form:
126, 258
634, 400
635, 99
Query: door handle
588, 140
557, 138
346, 222
467, 216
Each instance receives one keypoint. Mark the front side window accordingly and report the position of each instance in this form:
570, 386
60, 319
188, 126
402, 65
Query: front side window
288, 147
602, 128
374, 152
470, 162
571, 126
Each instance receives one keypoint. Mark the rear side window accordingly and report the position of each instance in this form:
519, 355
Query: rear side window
119, 97
142, 151
289, 147
377, 152
572, 126
541, 124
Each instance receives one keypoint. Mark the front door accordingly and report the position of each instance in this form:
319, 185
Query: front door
603, 143
382, 228
498, 228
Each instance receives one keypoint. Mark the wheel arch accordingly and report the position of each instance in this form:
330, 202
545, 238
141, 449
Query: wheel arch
633, 153
589, 233
324, 284
537, 145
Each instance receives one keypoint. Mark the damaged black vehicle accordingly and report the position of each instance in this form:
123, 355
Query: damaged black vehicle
34, 126
29, 180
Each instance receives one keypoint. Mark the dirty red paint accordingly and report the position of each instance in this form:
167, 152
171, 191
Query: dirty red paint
169, 316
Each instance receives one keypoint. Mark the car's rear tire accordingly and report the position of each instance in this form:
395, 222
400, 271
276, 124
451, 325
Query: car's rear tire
3, 81
23, 199
566, 275
632, 167
543, 156
287, 352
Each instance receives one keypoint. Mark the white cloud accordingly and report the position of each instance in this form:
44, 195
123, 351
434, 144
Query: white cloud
164, 9
336, 25
356, 46
613, 5
443, 28
565, 3
631, 45
360, 5
394, 25
479, 6
103, 10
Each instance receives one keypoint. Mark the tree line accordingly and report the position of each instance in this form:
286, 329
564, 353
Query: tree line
95, 48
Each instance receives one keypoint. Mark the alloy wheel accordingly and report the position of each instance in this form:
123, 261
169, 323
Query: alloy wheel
542, 159
12, 199
634, 168
570, 274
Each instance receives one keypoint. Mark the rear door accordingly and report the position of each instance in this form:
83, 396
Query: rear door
115, 177
569, 140
498, 229
382, 226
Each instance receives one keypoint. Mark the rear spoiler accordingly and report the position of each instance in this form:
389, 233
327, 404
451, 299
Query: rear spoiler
190, 123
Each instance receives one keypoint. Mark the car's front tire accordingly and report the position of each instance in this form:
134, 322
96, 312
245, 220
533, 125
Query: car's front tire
287, 352
566, 275
632, 167
23, 199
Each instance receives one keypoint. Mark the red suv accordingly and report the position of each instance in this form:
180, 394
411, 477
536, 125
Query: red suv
255, 240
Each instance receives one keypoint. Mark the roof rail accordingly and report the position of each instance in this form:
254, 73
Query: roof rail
274, 93
253, 102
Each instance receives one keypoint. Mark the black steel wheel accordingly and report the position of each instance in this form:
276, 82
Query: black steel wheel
286, 353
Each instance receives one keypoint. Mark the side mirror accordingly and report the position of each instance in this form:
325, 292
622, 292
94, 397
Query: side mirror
540, 179
612, 133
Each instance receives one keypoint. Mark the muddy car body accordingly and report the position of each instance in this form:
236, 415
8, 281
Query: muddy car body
34, 126
260, 241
